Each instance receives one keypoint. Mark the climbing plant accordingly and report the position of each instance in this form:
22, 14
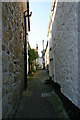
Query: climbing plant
33, 55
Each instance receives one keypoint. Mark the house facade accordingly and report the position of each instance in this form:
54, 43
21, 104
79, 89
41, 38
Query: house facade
39, 62
50, 41
64, 44
43, 59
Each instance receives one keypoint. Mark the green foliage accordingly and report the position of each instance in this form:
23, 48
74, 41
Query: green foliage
33, 55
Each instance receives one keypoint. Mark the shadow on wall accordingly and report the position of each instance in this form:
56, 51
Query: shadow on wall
71, 109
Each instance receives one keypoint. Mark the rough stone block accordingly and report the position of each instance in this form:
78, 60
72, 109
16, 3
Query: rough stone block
9, 89
5, 37
14, 99
5, 79
3, 92
5, 57
13, 72
11, 67
11, 48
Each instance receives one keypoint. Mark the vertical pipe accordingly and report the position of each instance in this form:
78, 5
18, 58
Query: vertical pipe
28, 19
27, 28
25, 56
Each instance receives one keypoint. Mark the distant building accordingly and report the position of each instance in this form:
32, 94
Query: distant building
39, 62
43, 59
43, 55
36, 48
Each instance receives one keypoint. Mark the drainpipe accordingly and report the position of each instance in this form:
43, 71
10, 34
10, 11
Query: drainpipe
25, 56
27, 28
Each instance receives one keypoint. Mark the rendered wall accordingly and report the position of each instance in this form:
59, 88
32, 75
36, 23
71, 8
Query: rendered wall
66, 49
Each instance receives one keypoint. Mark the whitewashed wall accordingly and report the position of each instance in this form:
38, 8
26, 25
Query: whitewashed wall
66, 53
47, 56
27, 59
50, 53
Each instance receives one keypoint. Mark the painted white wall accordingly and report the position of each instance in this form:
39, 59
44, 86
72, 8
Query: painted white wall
47, 56
50, 53
27, 59
65, 41
39, 62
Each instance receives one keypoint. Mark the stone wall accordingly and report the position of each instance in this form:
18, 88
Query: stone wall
0, 60
12, 55
79, 54
65, 48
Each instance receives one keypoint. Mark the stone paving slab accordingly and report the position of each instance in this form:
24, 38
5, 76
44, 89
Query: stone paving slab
42, 102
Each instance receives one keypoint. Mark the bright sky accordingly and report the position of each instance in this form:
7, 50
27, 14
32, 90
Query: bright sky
39, 24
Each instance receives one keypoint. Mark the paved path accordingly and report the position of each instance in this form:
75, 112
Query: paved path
37, 104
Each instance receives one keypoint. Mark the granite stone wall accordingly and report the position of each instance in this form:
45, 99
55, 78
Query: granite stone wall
65, 35
79, 54
12, 55
0, 60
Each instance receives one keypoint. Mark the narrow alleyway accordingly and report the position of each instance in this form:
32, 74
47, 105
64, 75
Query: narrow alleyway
37, 104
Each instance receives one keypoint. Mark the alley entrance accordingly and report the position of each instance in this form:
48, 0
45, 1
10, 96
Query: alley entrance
40, 101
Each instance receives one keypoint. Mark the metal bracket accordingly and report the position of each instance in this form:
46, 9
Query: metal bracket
27, 14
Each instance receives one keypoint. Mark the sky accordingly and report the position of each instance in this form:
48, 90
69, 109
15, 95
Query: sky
39, 24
